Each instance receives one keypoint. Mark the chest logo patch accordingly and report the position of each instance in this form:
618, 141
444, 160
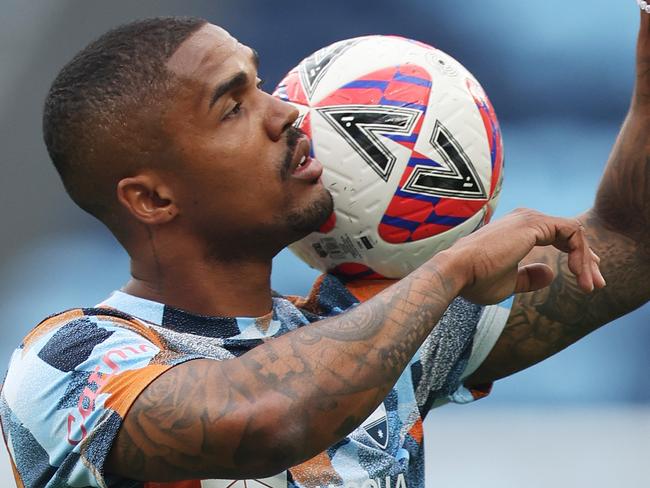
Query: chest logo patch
277, 481
377, 426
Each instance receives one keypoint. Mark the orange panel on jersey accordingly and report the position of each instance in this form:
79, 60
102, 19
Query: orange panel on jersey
19, 481
47, 325
416, 431
125, 387
364, 290
480, 391
310, 303
136, 327
317, 471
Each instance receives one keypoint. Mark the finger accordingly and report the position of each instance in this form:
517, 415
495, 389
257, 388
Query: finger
583, 272
596, 256
564, 234
581, 260
569, 236
599, 280
533, 277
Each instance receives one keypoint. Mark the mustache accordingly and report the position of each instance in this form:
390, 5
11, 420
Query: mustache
293, 135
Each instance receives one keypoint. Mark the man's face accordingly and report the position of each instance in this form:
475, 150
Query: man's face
237, 172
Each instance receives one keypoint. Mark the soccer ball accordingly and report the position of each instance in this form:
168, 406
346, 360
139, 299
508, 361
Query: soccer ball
411, 149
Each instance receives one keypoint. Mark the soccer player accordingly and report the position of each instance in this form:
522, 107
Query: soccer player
195, 374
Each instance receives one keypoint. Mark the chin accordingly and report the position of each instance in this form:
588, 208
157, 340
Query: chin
312, 216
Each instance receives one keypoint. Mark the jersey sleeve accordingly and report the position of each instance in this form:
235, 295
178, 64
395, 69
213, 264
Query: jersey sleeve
456, 348
66, 393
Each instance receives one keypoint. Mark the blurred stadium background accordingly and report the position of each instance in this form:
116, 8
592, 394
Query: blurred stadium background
559, 74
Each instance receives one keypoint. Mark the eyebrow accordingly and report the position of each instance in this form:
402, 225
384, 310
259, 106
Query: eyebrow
239, 80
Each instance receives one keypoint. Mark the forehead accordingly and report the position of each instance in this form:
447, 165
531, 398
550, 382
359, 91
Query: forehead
210, 50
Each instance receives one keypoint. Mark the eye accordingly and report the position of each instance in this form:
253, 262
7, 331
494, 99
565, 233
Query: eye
233, 112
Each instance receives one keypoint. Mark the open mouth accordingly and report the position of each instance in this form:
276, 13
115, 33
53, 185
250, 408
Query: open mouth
304, 166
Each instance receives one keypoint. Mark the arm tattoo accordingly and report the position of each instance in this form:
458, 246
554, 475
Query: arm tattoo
202, 419
544, 322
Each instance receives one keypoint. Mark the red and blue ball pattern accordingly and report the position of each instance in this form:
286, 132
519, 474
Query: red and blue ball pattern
408, 217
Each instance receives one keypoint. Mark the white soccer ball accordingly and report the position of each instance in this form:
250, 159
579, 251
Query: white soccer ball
411, 149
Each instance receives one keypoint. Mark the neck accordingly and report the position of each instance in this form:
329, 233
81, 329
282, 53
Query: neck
214, 288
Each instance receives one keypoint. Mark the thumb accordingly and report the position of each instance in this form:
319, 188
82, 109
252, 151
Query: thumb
533, 277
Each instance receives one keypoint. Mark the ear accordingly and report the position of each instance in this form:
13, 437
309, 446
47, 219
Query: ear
147, 198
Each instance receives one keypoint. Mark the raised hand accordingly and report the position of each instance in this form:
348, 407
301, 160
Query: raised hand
492, 256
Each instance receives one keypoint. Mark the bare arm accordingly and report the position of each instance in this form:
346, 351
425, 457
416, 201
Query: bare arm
292, 397
284, 401
618, 228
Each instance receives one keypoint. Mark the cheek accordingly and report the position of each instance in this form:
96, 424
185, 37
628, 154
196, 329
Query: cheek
248, 191
256, 175
252, 178
240, 172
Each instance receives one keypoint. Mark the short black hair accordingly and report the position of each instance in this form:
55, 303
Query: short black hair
91, 110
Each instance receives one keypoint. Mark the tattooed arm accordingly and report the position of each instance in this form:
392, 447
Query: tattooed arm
292, 397
618, 228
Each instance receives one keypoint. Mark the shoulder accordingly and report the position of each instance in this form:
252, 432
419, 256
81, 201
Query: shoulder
78, 342
65, 338
69, 384
68, 349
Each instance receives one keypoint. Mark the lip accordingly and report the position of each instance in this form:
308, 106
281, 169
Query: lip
303, 147
312, 169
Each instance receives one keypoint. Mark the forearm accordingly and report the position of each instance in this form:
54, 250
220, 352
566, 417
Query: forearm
292, 397
334, 373
618, 228
623, 199
547, 321
318, 383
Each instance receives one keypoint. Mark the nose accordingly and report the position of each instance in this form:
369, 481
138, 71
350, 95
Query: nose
280, 116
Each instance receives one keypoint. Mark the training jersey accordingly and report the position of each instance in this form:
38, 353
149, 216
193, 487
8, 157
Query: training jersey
74, 377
